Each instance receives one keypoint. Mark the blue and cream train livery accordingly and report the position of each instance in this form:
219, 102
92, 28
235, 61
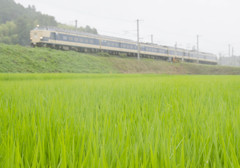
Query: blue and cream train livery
85, 42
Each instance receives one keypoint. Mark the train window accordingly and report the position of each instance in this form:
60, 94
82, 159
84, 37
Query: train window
179, 53
75, 39
70, 39
64, 37
171, 52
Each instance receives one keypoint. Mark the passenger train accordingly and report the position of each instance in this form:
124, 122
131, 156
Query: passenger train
86, 42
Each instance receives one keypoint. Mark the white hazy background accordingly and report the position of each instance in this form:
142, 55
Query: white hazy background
170, 21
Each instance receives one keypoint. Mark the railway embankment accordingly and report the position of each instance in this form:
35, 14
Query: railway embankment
19, 59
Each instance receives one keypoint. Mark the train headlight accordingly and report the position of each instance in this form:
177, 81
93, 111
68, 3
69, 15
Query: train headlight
41, 38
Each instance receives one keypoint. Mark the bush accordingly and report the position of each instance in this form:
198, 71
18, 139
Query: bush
123, 55
104, 54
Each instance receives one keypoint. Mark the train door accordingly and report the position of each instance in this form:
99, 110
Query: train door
53, 36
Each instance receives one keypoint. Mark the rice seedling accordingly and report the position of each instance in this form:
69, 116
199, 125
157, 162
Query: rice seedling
72, 120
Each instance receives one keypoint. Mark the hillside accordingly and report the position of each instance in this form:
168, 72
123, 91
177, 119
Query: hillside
18, 59
16, 21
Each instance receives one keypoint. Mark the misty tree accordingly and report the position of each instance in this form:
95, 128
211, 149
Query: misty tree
8, 33
16, 22
22, 20
86, 29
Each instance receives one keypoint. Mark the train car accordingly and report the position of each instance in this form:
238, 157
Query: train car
86, 42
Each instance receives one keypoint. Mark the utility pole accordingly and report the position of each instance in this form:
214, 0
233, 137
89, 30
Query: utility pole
197, 48
151, 38
76, 22
138, 45
232, 51
229, 50
175, 50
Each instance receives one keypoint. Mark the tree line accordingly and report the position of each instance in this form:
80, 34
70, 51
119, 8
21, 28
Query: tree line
16, 22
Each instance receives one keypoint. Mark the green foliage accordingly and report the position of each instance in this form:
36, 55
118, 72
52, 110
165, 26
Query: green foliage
19, 59
42, 60
103, 54
72, 120
123, 55
22, 20
86, 29
8, 33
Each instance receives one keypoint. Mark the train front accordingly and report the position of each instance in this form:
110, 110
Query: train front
39, 37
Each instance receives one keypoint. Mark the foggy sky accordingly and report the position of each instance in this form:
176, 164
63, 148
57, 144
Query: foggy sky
170, 21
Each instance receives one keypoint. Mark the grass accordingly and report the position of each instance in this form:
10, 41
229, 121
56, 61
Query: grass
18, 59
71, 120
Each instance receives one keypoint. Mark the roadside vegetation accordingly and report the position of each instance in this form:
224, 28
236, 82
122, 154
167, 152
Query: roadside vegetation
18, 59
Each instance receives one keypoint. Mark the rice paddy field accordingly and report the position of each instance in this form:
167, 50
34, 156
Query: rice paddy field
72, 120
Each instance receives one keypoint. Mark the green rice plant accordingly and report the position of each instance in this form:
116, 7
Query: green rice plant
89, 120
